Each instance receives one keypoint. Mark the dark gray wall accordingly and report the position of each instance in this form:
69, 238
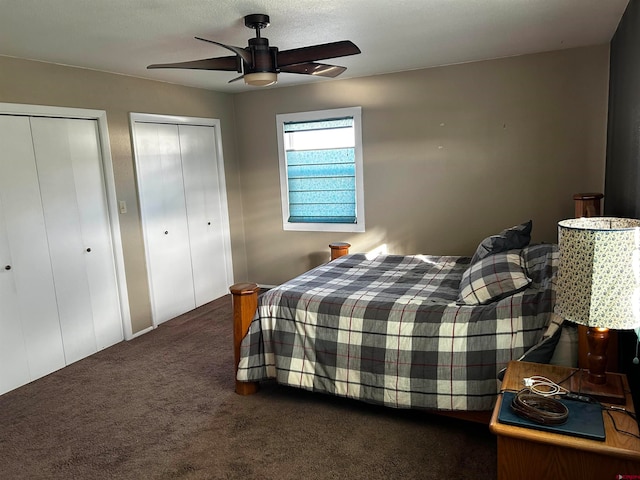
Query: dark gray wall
622, 174
622, 179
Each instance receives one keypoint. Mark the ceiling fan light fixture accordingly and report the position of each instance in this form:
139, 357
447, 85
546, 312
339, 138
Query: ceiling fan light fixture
260, 79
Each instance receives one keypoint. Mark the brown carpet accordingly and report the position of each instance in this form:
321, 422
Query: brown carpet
162, 406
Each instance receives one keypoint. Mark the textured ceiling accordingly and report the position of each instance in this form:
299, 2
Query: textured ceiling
124, 36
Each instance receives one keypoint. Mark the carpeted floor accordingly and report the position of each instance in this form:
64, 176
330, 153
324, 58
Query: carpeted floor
162, 406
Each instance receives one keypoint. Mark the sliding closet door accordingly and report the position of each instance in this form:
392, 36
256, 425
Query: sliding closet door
204, 212
28, 308
69, 170
164, 212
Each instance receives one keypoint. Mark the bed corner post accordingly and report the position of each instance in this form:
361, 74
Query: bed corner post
245, 302
339, 249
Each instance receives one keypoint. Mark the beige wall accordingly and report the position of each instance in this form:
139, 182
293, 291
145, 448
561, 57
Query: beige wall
451, 155
38, 83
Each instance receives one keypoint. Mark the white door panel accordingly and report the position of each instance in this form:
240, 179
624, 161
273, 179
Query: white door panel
98, 252
26, 238
14, 363
52, 142
82, 163
164, 217
202, 194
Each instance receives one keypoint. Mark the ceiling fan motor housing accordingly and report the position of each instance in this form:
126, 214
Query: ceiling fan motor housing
263, 56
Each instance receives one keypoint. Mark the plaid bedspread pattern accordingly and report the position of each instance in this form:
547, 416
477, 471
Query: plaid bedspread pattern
388, 330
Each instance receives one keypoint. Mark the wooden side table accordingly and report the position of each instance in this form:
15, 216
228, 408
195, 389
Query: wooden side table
526, 453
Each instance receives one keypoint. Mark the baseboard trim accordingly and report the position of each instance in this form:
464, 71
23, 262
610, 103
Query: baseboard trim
141, 332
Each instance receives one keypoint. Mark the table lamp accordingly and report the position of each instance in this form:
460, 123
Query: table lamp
598, 286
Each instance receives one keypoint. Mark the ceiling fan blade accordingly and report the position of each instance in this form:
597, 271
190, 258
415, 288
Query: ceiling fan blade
317, 52
241, 52
219, 63
311, 68
236, 79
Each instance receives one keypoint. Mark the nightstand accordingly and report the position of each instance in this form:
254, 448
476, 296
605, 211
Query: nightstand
527, 453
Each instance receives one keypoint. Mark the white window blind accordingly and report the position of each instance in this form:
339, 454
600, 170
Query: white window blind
320, 170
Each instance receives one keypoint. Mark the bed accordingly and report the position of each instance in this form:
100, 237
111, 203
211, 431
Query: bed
413, 331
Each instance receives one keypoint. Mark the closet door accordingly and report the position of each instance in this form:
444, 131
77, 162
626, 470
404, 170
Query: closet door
184, 211
68, 160
60, 298
164, 213
28, 309
204, 212
14, 362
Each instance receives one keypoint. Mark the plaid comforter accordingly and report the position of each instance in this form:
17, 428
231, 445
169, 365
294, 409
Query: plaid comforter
388, 330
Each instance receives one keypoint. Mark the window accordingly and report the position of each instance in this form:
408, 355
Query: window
321, 170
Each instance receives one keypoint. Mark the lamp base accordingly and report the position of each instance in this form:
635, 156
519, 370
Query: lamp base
609, 392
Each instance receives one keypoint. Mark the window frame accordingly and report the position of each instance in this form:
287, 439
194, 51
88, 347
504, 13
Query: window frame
318, 115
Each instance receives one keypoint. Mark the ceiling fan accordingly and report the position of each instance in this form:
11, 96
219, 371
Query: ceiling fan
260, 64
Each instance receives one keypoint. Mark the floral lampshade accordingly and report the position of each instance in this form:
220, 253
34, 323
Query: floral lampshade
598, 281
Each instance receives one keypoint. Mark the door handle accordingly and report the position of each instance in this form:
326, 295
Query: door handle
7, 267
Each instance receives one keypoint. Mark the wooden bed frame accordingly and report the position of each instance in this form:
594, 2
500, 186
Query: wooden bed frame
245, 303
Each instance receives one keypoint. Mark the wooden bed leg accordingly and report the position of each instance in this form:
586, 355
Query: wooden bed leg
245, 302
339, 249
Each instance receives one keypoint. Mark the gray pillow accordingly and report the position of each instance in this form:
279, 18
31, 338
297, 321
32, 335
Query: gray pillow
493, 278
512, 238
